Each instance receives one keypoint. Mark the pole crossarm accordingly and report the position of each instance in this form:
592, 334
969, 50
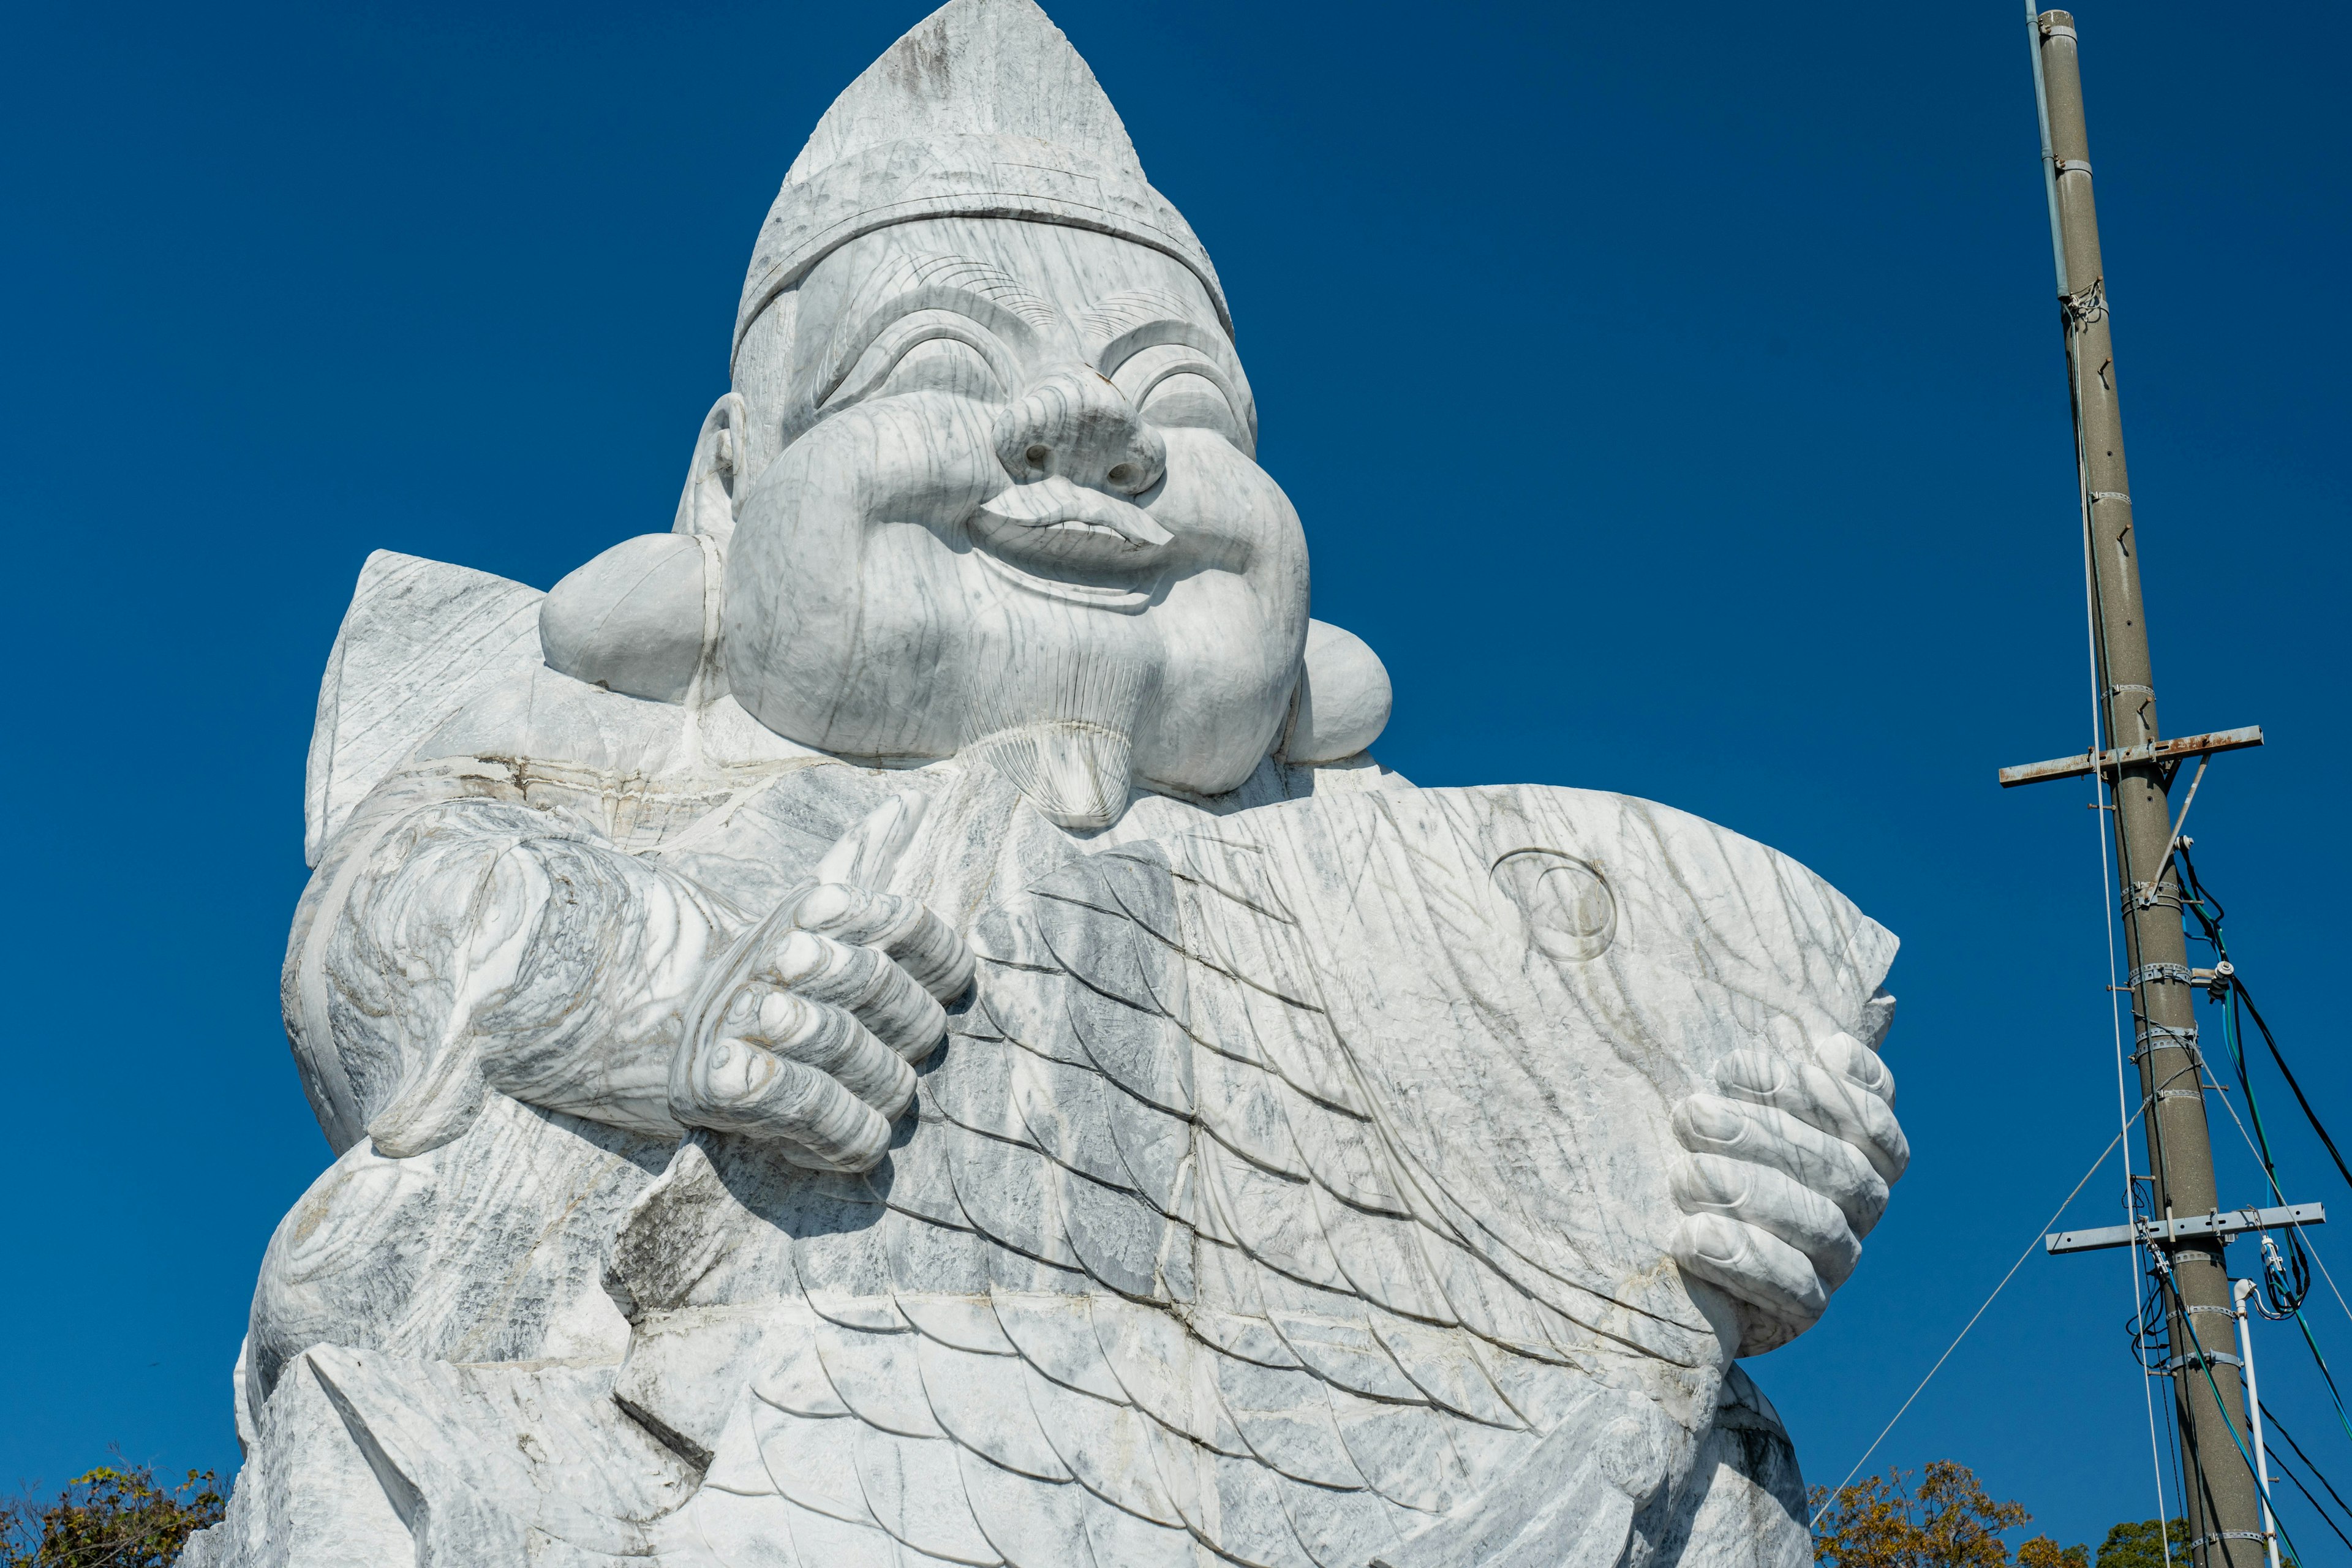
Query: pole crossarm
2105, 763
2199, 1227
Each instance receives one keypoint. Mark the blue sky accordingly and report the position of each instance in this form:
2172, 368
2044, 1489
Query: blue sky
1674, 398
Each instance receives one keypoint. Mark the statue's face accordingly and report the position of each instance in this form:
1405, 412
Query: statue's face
1016, 514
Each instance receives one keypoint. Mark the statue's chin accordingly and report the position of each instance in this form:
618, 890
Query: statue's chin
1076, 773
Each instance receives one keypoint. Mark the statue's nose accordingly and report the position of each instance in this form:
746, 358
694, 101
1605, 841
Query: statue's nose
1072, 421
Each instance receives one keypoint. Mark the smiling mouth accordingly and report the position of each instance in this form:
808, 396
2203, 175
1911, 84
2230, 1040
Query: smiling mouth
1064, 538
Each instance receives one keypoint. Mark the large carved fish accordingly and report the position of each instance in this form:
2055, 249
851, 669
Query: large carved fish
1297, 1189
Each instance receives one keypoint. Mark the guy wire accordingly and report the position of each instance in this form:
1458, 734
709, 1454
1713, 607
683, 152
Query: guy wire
2030, 1245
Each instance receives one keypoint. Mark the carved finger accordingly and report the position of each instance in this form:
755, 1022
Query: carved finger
863, 982
1855, 1062
734, 1085
1759, 1269
836, 1045
916, 940
1815, 1095
1709, 1183
1709, 1124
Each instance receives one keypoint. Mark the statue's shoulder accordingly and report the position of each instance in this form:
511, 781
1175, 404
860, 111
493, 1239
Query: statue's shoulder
420, 641
436, 662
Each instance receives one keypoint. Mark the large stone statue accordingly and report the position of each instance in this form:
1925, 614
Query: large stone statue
898, 1022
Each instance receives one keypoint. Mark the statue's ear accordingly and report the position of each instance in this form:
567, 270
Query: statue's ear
643, 618
716, 482
1343, 698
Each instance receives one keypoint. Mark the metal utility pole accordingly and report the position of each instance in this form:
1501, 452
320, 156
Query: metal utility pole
2224, 1508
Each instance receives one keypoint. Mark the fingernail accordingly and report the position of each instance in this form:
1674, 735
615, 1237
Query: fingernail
1717, 1240
1712, 1120
1751, 1070
829, 904
800, 957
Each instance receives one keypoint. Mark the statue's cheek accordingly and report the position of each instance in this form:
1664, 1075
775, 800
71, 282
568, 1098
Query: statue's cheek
846, 612
827, 514
1229, 513
923, 458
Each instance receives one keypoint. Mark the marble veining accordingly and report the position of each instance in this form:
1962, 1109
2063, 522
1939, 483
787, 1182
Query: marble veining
898, 1021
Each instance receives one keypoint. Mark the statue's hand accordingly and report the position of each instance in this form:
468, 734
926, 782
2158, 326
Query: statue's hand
804, 1030
1788, 1169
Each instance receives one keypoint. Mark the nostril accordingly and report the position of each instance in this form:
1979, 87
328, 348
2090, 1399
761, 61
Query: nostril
1037, 456
1122, 474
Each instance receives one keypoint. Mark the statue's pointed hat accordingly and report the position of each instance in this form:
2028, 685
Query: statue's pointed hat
983, 110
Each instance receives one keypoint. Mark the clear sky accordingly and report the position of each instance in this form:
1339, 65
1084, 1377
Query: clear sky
1673, 395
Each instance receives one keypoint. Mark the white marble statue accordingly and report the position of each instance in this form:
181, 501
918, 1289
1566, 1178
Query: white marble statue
896, 1022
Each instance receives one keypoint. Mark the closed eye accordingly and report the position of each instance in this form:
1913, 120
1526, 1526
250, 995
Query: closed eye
928, 351
1175, 385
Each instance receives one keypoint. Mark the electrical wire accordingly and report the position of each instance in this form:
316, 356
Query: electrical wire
2275, 1303
2238, 993
2036, 1241
2288, 1471
2294, 1229
2296, 1233
2205, 1365
2280, 1428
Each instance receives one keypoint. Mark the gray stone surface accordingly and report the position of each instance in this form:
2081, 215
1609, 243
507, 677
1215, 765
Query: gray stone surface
899, 1022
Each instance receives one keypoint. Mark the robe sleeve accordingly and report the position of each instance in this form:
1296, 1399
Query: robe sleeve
457, 939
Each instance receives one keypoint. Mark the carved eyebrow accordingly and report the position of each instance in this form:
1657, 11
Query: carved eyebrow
1115, 313
987, 293
1127, 323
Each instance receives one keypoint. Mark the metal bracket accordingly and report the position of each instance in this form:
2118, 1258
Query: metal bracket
2150, 1037
2190, 1358
2169, 1232
2148, 971
2154, 752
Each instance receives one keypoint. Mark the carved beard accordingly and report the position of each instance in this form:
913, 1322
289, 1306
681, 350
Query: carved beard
1057, 693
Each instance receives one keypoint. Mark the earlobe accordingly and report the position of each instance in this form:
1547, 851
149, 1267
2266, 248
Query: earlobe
636, 619
1343, 698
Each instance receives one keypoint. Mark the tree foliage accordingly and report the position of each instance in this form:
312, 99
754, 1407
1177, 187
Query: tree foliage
2142, 1545
111, 1518
1946, 1521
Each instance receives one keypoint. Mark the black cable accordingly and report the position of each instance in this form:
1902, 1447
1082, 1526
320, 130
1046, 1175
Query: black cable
2212, 924
2319, 1475
2196, 905
2285, 1282
2285, 1470
2238, 986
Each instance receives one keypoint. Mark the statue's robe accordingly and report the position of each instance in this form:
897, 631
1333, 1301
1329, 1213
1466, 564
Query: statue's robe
1292, 1187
